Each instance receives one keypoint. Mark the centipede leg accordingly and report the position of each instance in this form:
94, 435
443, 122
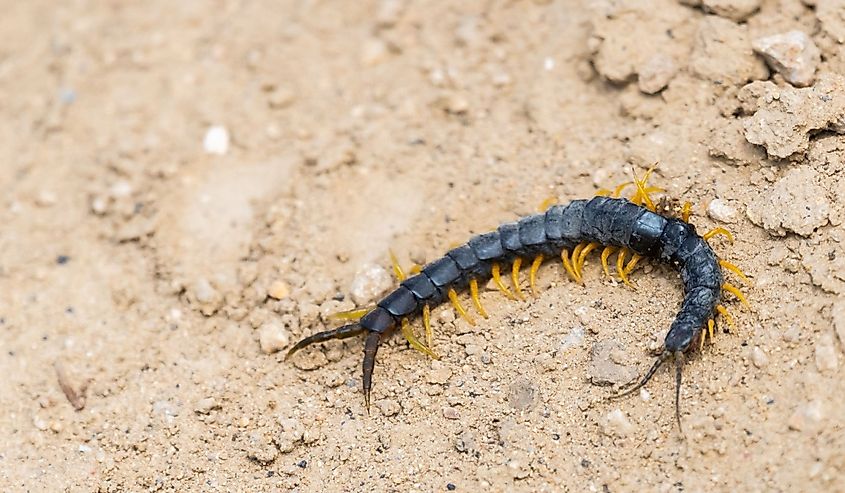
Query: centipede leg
326, 335
679, 366
650, 373
370, 350
607, 252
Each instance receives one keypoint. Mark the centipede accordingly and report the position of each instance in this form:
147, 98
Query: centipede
630, 227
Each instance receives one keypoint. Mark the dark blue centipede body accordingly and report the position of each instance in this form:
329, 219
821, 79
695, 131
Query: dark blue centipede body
603, 220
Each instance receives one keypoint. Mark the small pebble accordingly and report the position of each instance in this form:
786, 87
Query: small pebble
203, 291
206, 405
273, 337
280, 98
99, 205
451, 413
62, 259
370, 282
374, 52
440, 374
450, 486
826, 358
758, 357
792, 54
805, 416
617, 424
721, 210
216, 140
279, 290
388, 407
39, 423
735, 10
656, 73
792, 334
45, 198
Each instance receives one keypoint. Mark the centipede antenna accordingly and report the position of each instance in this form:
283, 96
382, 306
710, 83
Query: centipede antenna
342, 332
650, 373
679, 365
370, 350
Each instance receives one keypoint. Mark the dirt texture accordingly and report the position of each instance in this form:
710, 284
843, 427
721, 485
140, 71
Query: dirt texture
190, 187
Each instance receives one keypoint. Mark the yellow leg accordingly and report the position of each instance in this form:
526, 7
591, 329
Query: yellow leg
473, 293
620, 267
618, 190
397, 269
497, 278
736, 292
583, 256
515, 278
564, 255
724, 313
718, 231
575, 254
429, 334
607, 252
711, 324
532, 275
701, 342
736, 270
414, 342
633, 263
415, 269
352, 315
603, 192
686, 211
642, 193
453, 297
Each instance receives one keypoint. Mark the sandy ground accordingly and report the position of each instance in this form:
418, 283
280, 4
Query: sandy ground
147, 279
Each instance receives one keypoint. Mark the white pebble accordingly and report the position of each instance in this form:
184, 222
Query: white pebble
370, 282
826, 358
792, 54
721, 210
45, 198
216, 140
758, 357
616, 423
205, 406
273, 337
203, 291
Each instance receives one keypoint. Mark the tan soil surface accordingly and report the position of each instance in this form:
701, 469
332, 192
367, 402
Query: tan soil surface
141, 275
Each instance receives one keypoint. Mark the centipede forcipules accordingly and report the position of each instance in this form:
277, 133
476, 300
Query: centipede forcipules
570, 231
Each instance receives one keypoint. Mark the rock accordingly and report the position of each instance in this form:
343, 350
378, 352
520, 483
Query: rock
204, 292
216, 140
735, 10
260, 448
792, 54
440, 374
727, 140
837, 313
370, 282
451, 413
656, 73
45, 198
722, 211
281, 98
273, 337
831, 15
374, 52
575, 338
795, 203
758, 357
617, 424
805, 416
389, 12
279, 290
826, 357
388, 407
206, 405
723, 54
522, 394
604, 369
784, 117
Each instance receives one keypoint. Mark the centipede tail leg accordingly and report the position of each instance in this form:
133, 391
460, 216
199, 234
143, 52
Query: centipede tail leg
343, 332
647, 377
370, 350
679, 366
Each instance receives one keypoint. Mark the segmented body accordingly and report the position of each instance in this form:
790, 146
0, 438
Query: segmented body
603, 220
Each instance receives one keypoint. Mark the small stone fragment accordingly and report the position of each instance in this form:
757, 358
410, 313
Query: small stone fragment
273, 337
439, 375
735, 10
758, 357
388, 407
722, 211
617, 424
216, 140
795, 203
806, 416
603, 368
826, 357
574, 338
45, 198
522, 394
656, 73
203, 291
723, 54
370, 282
374, 52
831, 15
206, 405
279, 290
792, 54
451, 413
